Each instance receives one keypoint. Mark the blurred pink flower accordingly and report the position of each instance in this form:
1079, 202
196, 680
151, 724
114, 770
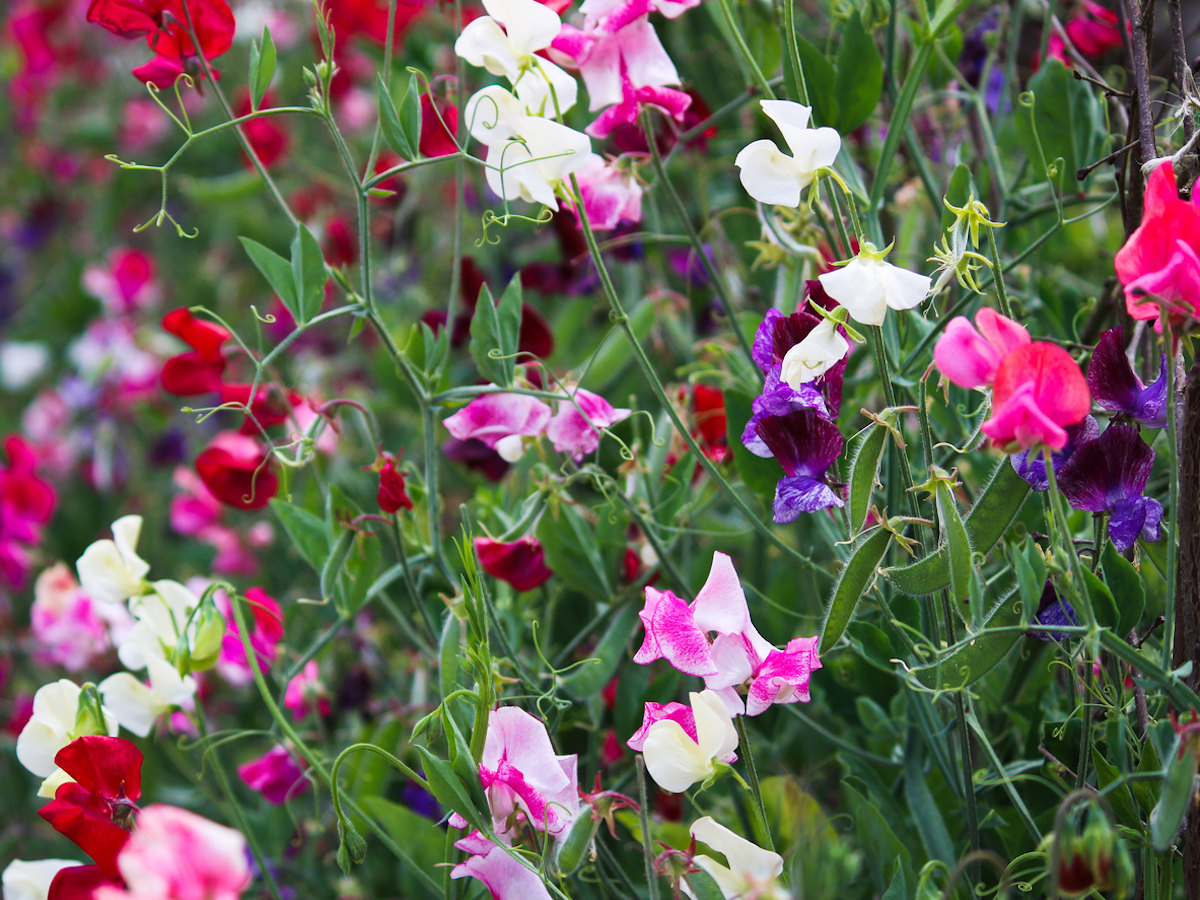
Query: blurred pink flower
574, 429
306, 692
503, 875
611, 194
265, 637
500, 421
127, 283
26, 503
970, 358
68, 625
275, 775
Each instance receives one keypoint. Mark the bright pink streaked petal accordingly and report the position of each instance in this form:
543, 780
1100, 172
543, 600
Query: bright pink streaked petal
672, 634
721, 604
1020, 420
656, 712
504, 876
493, 417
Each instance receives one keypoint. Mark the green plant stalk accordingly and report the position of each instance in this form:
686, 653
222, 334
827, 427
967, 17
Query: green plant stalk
388, 47
789, 27
1168, 639
644, 817
744, 51
900, 114
1009, 788
998, 274
697, 245
762, 831
840, 743
639, 352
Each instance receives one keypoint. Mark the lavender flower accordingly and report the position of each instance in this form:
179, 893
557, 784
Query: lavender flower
1053, 611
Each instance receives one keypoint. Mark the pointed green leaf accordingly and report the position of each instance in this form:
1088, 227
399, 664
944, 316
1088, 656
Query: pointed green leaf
1174, 800
448, 790
1031, 575
277, 271
395, 133
262, 67
495, 331
1104, 607
306, 531
819, 77
864, 473
308, 274
859, 79
1126, 585
956, 543
409, 115
854, 579
590, 678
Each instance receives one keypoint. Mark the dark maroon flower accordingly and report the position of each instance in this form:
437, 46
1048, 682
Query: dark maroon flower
199, 371
1115, 387
806, 444
96, 810
1031, 465
78, 883
535, 336
779, 333
238, 471
1109, 475
478, 457
521, 563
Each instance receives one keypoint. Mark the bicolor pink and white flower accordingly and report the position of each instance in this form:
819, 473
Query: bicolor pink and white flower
306, 692
575, 426
500, 421
126, 284
738, 656
503, 875
71, 629
682, 746
610, 192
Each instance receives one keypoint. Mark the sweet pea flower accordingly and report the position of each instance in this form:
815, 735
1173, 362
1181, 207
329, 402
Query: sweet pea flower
816, 354
71, 630
266, 622
511, 51
306, 692
970, 357
575, 427
1031, 464
1109, 475
26, 503
677, 757
59, 717
275, 775
806, 444
177, 855
127, 284
110, 571
500, 421
751, 870
775, 178
1161, 259
867, 286
137, 705
503, 875
31, 879
1038, 392
611, 193
521, 563
163, 24
1115, 387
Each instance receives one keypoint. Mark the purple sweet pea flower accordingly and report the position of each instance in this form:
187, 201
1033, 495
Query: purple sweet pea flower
1031, 465
1109, 475
1053, 611
777, 334
806, 444
778, 398
1115, 387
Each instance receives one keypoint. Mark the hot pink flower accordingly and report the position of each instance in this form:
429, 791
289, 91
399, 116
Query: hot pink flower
503, 875
238, 470
611, 194
177, 855
306, 692
265, 637
1038, 391
500, 421
1161, 259
126, 284
970, 358
575, 427
275, 775
26, 503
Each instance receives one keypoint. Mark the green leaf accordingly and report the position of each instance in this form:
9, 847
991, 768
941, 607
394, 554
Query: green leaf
763, 36
820, 78
859, 79
854, 579
590, 678
758, 474
262, 67
956, 543
416, 834
1066, 121
495, 331
1120, 798
464, 766
573, 552
925, 812
308, 273
874, 832
277, 271
1174, 800
864, 474
410, 115
986, 523
397, 136
703, 886
1104, 607
971, 662
1125, 582
305, 529
449, 653
448, 790
1031, 575
334, 562
614, 357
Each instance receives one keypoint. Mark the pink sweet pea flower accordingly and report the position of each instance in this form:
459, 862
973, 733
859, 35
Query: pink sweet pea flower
275, 775
503, 875
500, 421
521, 773
1161, 259
177, 855
576, 423
265, 637
1038, 391
71, 630
126, 284
611, 193
970, 358
775, 676
306, 692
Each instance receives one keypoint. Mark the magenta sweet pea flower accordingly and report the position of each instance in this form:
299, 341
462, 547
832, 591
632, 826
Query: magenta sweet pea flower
1038, 392
1115, 387
275, 775
970, 357
575, 427
503, 875
306, 692
500, 421
522, 563
775, 676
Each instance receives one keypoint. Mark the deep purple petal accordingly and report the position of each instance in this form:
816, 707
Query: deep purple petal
798, 494
1115, 466
778, 398
1052, 611
1150, 408
764, 340
804, 442
1031, 466
1110, 378
1126, 521
1152, 528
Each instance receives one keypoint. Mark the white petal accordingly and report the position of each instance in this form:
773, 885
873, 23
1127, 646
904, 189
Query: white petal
672, 758
601, 73
31, 880
859, 287
492, 114
750, 862
482, 43
533, 88
530, 25
808, 360
786, 114
53, 782
135, 705
104, 576
818, 150
125, 535
770, 176
38, 744
904, 289
716, 737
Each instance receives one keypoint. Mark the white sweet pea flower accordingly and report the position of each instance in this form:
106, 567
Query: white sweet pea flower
110, 571
30, 880
529, 26
867, 286
815, 355
56, 721
751, 871
136, 705
770, 176
674, 760
161, 619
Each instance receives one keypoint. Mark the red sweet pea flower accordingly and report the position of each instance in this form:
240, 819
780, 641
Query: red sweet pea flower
708, 409
164, 23
369, 18
268, 407
238, 471
521, 563
392, 495
78, 882
26, 502
96, 810
197, 372
267, 136
437, 134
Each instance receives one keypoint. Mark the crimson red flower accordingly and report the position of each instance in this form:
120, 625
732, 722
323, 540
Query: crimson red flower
78, 883
369, 18
200, 371
339, 243
268, 407
238, 471
437, 134
521, 563
392, 495
708, 409
164, 23
96, 810
266, 135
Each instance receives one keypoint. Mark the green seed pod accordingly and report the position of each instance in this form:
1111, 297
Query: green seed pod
575, 849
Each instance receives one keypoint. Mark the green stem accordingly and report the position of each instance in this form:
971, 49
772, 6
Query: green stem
644, 817
998, 274
748, 57
762, 831
908, 94
789, 34
1168, 640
